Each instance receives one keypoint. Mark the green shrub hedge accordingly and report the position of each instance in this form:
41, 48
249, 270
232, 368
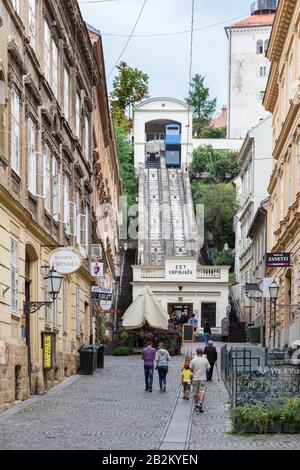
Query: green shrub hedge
122, 351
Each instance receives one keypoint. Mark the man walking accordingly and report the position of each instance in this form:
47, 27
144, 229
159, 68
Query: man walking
212, 356
148, 356
199, 366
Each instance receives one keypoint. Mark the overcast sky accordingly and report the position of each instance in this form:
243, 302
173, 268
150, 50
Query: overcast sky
166, 59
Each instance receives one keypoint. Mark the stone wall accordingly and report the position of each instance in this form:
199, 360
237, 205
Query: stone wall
14, 382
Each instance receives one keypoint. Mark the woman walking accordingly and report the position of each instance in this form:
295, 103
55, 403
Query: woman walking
162, 359
207, 332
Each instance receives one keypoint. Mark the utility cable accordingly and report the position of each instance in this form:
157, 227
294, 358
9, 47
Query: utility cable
127, 42
190, 79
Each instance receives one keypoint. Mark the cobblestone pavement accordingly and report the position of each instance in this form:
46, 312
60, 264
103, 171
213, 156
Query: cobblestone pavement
211, 429
108, 410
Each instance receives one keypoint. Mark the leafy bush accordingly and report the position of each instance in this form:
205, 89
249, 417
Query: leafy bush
256, 415
122, 351
291, 412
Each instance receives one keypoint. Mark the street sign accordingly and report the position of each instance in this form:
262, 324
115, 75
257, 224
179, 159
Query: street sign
251, 286
278, 260
101, 293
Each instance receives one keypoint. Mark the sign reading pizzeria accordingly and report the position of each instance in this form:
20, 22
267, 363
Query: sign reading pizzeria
184, 270
65, 260
274, 260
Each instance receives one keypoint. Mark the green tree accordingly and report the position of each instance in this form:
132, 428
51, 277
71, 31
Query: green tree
220, 206
130, 86
128, 173
213, 166
203, 107
213, 133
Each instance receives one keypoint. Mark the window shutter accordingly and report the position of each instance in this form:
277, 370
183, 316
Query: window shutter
72, 218
40, 174
81, 230
56, 197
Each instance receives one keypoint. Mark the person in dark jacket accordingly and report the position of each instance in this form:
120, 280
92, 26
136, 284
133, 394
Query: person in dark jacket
207, 332
212, 356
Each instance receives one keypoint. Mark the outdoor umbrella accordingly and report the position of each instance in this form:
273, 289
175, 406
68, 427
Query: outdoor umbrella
296, 343
145, 307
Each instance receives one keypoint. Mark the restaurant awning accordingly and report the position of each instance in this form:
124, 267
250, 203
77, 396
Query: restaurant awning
145, 307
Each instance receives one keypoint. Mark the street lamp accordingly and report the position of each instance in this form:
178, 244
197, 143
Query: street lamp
53, 280
273, 289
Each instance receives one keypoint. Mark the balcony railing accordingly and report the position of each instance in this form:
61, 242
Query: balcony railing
209, 273
153, 273
202, 273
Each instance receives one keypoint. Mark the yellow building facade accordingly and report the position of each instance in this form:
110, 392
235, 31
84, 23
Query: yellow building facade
282, 99
46, 81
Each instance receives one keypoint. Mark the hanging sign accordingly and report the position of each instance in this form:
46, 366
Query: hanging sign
101, 293
47, 351
65, 260
97, 269
105, 304
278, 260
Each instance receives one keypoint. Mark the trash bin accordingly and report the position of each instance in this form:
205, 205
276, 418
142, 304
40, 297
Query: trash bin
88, 360
253, 334
99, 355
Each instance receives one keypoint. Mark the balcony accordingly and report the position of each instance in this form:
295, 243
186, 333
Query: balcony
158, 274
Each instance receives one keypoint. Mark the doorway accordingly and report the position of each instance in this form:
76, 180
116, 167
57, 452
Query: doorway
208, 313
176, 311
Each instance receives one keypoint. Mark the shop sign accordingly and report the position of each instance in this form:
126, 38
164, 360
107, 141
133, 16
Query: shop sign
47, 350
97, 269
180, 271
101, 293
65, 260
274, 260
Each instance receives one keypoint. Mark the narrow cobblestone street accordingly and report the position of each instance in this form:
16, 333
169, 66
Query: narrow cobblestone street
110, 410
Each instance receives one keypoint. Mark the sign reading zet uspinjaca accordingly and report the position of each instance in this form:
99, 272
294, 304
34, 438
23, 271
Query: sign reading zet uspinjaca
65, 260
278, 259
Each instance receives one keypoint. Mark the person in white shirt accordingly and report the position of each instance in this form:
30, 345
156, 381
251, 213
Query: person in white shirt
199, 366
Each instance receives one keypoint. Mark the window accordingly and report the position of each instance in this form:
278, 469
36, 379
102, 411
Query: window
65, 305
47, 51
81, 230
31, 157
266, 45
283, 100
16, 5
289, 189
208, 313
47, 183
14, 273
56, 190
66, 200
77, 310
15, 131
291, 79
298, 166
66, 94
77, 116
259, 47
281, 197
86, 144
54, 75
263, 71
261, 95
31, 21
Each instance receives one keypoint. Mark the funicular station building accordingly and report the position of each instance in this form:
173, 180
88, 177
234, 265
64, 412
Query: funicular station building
169, 236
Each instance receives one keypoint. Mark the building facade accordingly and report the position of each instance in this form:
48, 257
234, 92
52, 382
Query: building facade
255, 162
248, 68
282, 99
46, 83
106, 189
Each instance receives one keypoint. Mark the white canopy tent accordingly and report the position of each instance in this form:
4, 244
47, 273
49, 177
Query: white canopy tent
144, 308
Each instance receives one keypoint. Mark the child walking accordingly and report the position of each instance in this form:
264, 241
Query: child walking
186, 381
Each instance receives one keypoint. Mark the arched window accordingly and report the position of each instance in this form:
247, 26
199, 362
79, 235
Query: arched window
266, 44
259, 47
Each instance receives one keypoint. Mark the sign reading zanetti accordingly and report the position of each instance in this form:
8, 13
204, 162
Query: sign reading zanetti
278, 259
184, 270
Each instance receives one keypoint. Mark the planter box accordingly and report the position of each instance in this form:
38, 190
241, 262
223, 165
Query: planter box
291, 428
275, 428
247, 428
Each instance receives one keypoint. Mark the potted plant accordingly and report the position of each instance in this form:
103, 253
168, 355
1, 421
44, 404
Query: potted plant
275, 411
250, 419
